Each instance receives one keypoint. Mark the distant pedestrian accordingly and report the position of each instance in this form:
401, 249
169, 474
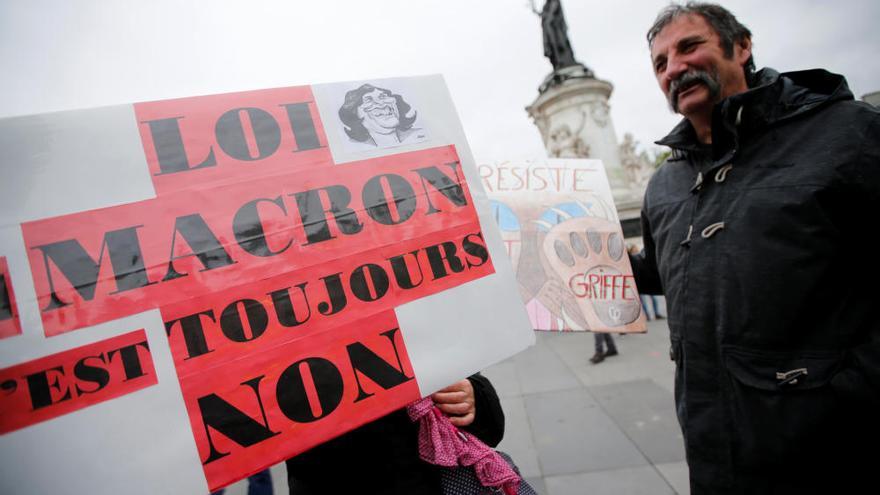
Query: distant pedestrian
646, 306
604, 347
658, 302
258, 484
651, 307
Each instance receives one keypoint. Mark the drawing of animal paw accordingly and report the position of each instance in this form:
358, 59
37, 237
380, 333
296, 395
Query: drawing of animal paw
589, 254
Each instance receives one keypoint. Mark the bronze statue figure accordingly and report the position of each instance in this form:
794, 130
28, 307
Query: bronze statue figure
556, 45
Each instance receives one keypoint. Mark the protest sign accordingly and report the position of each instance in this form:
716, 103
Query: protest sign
206, 286
9, 324
563, 236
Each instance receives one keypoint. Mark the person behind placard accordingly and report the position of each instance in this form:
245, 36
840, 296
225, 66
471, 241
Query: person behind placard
383, 456
651, 305
750, 230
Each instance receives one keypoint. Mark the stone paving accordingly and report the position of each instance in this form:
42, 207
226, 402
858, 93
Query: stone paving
575, 428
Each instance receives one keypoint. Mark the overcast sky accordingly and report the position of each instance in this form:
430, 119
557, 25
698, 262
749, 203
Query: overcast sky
65, 54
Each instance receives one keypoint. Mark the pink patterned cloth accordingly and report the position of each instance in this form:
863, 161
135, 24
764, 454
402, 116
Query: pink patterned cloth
442, 444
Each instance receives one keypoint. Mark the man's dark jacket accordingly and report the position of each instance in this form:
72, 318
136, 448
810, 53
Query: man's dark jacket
760, 243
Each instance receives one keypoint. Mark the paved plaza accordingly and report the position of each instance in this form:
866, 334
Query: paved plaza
575, 428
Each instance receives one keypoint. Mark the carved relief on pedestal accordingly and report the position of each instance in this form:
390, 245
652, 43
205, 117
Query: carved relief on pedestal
563, 143
637, 168
599, 111
542, 123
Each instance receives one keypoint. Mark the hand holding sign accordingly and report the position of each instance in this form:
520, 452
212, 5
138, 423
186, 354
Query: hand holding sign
457, 402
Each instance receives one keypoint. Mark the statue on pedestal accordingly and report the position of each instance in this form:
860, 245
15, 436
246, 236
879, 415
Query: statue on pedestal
573, 115
557, 46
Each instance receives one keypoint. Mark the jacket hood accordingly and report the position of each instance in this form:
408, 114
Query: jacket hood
772, 97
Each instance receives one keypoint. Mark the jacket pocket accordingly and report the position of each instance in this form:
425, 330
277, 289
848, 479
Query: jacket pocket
783, 409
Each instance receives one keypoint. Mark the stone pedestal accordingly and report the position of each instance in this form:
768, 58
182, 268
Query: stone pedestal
573, 115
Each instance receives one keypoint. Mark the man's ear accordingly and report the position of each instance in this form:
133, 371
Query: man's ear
742, 50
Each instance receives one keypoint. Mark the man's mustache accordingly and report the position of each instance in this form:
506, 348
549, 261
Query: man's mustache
687, 80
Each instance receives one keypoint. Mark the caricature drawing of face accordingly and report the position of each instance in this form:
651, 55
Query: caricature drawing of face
378, 117
379, 112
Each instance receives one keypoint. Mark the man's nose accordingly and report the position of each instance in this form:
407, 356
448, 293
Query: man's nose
675, 67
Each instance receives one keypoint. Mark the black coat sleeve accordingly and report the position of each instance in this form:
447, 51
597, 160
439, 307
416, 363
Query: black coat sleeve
861, 376
488, 423
644, 264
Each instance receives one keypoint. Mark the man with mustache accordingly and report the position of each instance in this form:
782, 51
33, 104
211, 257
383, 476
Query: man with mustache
750, 229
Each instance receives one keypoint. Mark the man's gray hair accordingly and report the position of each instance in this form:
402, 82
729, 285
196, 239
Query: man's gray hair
725, 24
